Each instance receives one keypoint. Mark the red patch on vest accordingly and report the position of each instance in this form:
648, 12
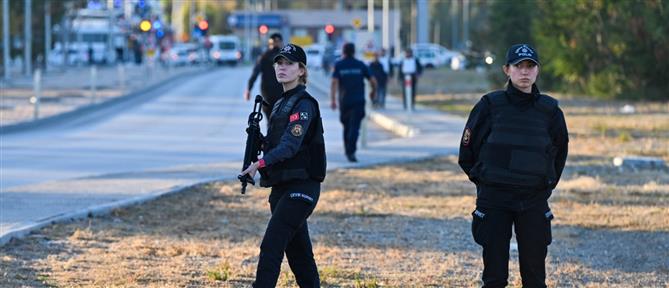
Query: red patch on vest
295, 117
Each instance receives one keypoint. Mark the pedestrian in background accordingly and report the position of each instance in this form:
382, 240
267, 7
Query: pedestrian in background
270, 88
348, 79
293, 165
514, 148
412, 67
381, 69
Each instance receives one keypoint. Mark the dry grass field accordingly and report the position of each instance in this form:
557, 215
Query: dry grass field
394, 225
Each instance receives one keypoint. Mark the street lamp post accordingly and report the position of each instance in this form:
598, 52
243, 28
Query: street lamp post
27, 43
5, 37
47, 33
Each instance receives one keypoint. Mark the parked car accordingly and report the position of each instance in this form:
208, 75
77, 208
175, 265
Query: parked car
184, 54
433, 55
225, 49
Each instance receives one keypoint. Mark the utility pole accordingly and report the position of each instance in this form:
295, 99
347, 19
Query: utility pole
385, 25
191, 21
423, 18
397, 24
454, 24
370, 15
27, 43
465, 24
47, 33
5, 37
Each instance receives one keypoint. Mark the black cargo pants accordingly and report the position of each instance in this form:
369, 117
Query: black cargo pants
491, 229
287, 231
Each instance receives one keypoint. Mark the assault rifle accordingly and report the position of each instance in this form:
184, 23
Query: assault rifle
253, 142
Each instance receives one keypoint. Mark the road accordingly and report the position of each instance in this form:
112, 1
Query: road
175, 135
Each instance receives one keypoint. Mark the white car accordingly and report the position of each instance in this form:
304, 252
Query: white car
433, 55
184, 54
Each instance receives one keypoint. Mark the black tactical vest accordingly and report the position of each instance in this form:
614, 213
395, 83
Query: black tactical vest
518, 153
309, 162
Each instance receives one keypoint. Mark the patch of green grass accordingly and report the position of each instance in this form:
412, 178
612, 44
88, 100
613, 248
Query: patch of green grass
624, 136
46, 280
220, 273
328, 273
366, 283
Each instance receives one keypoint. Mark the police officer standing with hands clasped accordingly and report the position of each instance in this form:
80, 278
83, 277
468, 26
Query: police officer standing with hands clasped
294, 165
514, 148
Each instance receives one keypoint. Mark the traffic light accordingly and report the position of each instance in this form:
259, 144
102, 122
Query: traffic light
329, 29
263, 29
145, 25
203, 25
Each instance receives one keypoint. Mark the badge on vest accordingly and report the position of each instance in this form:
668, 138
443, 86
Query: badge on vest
466, 137
296, 130
304, 116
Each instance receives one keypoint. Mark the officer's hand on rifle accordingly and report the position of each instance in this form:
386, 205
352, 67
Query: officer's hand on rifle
251, 170
247, 95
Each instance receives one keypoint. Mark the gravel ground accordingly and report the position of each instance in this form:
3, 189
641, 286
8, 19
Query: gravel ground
396, 225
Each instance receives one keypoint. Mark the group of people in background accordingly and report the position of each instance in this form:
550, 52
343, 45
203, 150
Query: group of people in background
513, 148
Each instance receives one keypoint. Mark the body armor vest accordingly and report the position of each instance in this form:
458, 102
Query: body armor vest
518, 153
309, 162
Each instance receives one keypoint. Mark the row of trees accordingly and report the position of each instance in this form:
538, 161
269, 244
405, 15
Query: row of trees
608, 49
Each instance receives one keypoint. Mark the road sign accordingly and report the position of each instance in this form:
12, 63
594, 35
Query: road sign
357, 22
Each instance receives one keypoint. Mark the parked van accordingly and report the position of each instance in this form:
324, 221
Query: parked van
225, 49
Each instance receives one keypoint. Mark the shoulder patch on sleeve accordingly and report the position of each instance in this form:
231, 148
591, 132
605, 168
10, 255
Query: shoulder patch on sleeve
304, 115
466, 137
297, 130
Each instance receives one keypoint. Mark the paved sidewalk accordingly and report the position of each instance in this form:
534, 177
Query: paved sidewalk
64, 91
432, 133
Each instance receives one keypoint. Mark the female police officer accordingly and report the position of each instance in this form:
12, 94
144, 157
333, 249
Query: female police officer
293, 164
514, 147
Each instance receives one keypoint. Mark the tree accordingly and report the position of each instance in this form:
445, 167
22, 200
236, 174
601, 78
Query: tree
607, 49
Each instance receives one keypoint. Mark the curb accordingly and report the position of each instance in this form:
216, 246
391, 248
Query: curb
96, 210
386, 122
65, 116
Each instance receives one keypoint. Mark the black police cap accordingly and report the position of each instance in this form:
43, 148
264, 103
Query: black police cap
293, 53
520, 52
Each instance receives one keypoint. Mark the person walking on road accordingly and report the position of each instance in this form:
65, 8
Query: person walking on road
270, 88
381, 69
293, 165
411, 66
348, 78
514, 148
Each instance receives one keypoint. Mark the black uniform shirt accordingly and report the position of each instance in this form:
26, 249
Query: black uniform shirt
477, 130
300, 119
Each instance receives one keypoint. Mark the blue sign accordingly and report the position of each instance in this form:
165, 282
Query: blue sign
239, 20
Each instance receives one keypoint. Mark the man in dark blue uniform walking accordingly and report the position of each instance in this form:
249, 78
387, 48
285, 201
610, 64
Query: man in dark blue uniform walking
348, 77
514, 148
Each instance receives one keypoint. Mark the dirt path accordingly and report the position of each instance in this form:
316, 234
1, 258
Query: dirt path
405, 225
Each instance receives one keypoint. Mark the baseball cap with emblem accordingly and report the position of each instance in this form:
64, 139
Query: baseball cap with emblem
520, 52
293, 53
